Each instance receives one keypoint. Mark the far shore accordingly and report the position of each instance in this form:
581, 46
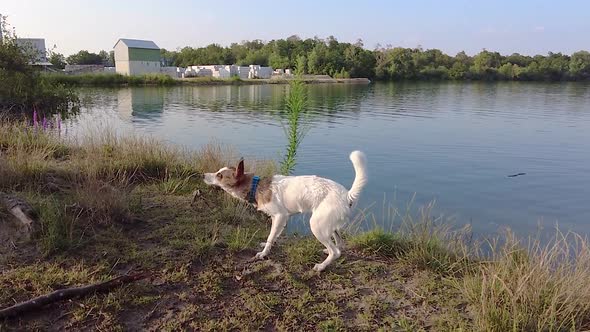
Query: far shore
308, 80
103, 79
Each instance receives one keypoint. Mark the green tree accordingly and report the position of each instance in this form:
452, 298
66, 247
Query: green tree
508, 71
85, 58
400, 64
277, 61
485, 65
57, 60
553, 67
579, 66
315, 61
530, 72
22, 87
360, 62
105, 58
301, 65
517, 59
458, 71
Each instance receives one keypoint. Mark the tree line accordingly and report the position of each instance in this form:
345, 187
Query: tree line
83, 57
340, 59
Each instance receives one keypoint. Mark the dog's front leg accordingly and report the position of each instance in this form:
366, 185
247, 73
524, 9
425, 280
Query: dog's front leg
278, 224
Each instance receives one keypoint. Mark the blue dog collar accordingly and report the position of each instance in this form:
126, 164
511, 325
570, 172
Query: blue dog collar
252, 193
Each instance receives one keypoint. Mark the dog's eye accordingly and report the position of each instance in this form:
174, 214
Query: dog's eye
219, 176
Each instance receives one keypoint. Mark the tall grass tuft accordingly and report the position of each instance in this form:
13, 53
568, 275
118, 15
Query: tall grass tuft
420, 240
27, 153
21, 137
296, 104
57, 227
241, 238
535, 287
107, 155
541, 285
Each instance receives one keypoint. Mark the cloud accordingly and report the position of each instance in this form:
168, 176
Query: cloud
539, 29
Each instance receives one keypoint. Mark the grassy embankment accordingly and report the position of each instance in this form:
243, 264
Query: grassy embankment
108, 205
109, 80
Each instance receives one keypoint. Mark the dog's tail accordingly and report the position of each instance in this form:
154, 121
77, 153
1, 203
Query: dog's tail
359, 161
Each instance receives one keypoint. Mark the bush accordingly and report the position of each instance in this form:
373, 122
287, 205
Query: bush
22, 87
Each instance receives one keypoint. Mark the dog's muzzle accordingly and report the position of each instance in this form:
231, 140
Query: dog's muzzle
209, 178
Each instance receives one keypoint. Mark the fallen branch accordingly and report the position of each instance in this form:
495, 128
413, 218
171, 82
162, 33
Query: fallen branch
20, 210
69, 293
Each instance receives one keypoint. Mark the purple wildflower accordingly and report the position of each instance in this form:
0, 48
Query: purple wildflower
59, 123
35, 119
44, 122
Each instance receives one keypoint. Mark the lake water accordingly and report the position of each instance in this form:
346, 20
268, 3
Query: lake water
454, 143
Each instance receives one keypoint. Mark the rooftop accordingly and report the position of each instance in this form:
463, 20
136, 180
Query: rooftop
137, 43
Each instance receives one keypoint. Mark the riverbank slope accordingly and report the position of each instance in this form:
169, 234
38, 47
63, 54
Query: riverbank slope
163, 80
110, 205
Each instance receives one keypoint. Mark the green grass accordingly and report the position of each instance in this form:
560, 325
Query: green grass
380, 242
110, 79
241, 238
417, 239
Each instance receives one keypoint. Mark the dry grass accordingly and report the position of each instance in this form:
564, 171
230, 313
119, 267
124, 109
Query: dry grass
214, 156
81, 182
535, 287
541, 285
105, 154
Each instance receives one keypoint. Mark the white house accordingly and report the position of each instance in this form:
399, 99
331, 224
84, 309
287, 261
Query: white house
136, 57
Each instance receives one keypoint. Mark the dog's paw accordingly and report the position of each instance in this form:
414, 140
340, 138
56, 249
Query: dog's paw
262, 244
326, 251
318, 267
260, 255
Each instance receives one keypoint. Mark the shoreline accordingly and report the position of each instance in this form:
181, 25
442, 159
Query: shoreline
102, 79
116, 80
263, 81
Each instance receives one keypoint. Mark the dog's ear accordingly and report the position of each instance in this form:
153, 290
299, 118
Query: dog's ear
240, 169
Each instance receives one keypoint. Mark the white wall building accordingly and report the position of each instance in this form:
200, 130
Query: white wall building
257, 71
136, 57
227, 71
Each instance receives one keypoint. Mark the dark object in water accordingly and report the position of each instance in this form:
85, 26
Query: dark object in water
515, 175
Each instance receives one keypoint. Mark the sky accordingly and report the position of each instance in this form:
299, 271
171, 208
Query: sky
524, 26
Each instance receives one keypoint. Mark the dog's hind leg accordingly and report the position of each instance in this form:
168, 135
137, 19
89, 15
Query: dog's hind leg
278, 224
324, 235
338, 241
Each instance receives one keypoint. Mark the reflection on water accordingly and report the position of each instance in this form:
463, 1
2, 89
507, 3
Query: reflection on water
452, 142
145, 103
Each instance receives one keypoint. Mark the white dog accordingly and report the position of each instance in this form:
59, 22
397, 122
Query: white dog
282, 196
